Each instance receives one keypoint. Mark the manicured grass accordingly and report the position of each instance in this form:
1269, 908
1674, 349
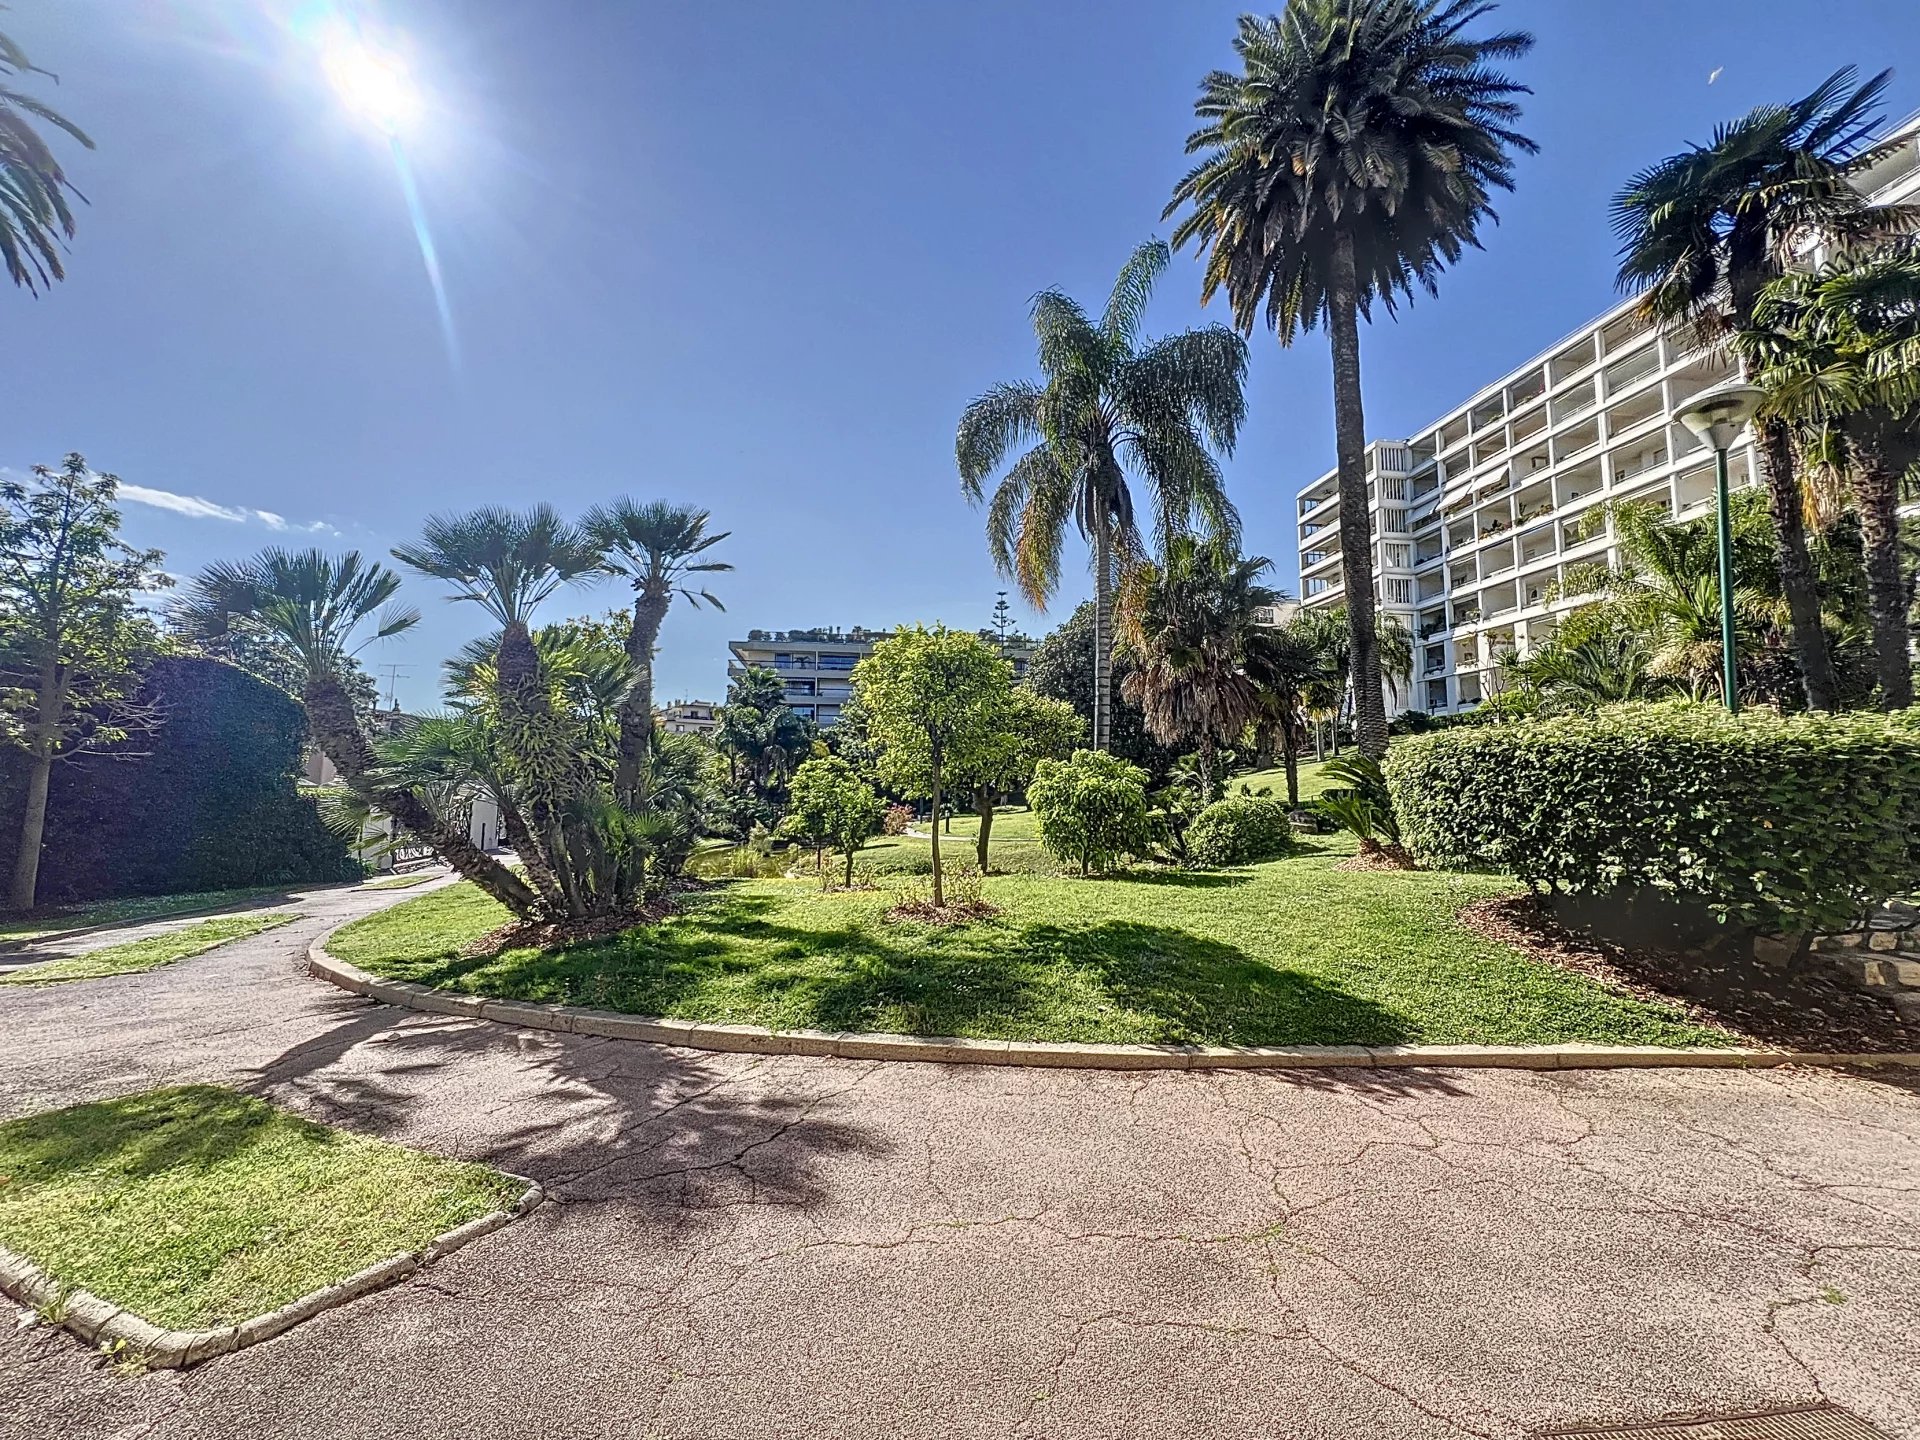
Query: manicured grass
1295, 951
152, 953
42, 923
399, 882
197, 1207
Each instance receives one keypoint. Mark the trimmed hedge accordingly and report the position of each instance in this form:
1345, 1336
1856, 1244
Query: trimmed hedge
1238, 831
1778, 823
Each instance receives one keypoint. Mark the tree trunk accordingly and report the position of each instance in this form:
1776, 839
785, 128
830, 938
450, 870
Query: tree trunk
1292, 761
1775, 453
933, 830
1877, 488
50, 698
1102, 630
1356, 536
1205, 756
851, 849
636, 711
983, 798
514, 825
337, 732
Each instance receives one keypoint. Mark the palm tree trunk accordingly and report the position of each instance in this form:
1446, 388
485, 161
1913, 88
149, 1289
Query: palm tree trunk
1356, 535
49, 700
1877, 488
636, 711
514, 825
1775, 453
1290, 756
336, 730
1102, 630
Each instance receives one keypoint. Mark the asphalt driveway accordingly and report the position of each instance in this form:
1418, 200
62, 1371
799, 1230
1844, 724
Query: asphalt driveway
750, 1246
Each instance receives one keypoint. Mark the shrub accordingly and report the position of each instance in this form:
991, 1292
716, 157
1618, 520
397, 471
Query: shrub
1092, 809
1359, 803
1238, 831
897, 819
1778, 823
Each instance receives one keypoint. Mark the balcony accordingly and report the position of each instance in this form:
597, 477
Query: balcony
1629, 373
1639, 464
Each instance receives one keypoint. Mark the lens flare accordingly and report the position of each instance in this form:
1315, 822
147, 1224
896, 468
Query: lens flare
372, 83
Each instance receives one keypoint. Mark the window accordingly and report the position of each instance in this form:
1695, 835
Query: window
1399, 592
1400, 556
1394, 522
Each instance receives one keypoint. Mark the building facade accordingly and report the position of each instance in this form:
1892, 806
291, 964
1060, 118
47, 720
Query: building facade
689, 717
1488, 524
817, 665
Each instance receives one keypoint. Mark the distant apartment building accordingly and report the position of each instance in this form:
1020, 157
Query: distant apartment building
689, 717
1482, 521
817, 665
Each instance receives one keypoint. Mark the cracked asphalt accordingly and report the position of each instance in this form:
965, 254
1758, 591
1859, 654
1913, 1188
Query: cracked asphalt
750, 1246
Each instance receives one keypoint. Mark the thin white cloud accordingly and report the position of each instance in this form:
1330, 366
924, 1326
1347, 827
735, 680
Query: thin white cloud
196, 508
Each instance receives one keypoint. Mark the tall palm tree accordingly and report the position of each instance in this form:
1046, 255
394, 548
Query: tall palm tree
1838, 350
320, 606
657, 547
1704, 231
1349, 160
1187, 623
34, 214
1107, 403
1334, 685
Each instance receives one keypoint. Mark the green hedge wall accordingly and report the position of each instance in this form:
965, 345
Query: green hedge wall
1790, 823
1238, 831
208, 801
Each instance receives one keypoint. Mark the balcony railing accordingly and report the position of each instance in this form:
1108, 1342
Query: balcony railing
1640, 465
1633, 371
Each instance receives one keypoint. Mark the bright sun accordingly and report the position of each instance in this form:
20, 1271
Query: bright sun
373, 83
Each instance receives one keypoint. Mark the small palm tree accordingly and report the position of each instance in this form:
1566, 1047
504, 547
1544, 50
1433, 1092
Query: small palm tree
1107, 403
657, 546
1704, 231
34, 215
1838, 350
1291, 669
1348, 160
1188, 626
321, 607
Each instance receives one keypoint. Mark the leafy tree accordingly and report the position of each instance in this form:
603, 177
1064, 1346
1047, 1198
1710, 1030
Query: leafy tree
1349, 159
70, 634
832, 806
657, 546
1092, 809
1106, 403
932, 699
1704, 231
1838, 350
34, 215
1029, 728
1062, 669
320, 606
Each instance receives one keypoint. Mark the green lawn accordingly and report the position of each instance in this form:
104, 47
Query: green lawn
199, 1207
399, 882
58, 921
152, 953
1294, 951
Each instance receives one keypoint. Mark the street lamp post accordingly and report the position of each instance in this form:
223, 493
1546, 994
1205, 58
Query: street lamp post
1717, 417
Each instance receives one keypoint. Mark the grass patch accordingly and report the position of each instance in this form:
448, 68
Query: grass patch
151, 953
198, 1207
1295, 951
39, 924
399, 882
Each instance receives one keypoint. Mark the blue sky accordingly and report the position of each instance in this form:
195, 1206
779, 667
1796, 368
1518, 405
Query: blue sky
755, 256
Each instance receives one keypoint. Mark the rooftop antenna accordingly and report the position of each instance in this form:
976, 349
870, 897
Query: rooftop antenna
392, 672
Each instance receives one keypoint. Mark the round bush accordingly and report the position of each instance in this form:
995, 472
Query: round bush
1779, 823
1238, 831
1092, 809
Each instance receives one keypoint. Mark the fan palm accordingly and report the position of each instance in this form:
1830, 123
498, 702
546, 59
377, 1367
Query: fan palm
1188, 626
325, 609
657, 546
1349, 160
1838, 350
34, 214
1703, 232
1291, 669
1107, 403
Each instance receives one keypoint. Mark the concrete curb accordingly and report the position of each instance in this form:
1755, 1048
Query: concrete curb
941, 1050
105, 1325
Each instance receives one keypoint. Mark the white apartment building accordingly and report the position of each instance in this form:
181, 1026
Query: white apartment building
1477, 519
689, 717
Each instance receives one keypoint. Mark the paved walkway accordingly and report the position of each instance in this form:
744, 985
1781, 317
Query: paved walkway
751, 1246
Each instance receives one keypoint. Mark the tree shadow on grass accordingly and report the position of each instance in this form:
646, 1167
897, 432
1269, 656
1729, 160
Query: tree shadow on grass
178, 1128
1180, 879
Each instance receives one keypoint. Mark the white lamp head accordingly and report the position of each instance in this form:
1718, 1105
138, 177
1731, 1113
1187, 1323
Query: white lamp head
1718, 415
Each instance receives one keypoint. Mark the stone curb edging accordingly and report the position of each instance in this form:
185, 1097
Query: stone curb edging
103, 1324
758, 1040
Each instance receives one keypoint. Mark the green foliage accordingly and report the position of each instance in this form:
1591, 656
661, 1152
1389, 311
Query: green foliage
831, 806
1239, 830
1062, 669
1782, 823
933, 700
34, 214
1092, 809
1357, 801
151, 953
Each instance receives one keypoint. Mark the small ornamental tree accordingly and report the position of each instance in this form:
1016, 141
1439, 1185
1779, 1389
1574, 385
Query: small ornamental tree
1092, 809
933, 699
1028, 729
831, 806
